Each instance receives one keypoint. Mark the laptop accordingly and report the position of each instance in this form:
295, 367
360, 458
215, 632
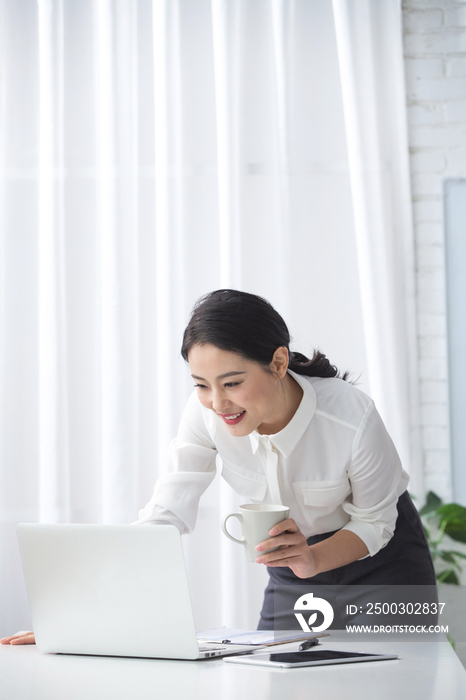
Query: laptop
111, 590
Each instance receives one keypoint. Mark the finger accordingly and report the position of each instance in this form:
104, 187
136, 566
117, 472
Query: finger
289, 561
285, 525
282, 563
28, 639
7, 640
17, 638
280, 556
284, 540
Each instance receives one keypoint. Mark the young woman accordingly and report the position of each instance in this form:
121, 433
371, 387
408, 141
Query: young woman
289, 430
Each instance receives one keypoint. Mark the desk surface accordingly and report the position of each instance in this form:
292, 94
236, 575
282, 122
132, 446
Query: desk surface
425, 670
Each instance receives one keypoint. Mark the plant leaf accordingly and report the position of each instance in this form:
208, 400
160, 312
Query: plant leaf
453, 521
448, 576
457, 554
433, 502
447, 556
458, 534
452, 512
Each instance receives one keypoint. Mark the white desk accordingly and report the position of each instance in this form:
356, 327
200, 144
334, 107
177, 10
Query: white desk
425, 671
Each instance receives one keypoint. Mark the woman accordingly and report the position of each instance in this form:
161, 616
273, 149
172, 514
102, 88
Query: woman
289, 430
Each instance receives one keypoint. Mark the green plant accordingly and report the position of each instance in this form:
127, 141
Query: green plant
440, 519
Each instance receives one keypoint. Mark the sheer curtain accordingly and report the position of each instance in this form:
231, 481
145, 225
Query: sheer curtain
370, 51
151, 152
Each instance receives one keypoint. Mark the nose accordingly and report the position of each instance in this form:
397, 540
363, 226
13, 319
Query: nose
220, 401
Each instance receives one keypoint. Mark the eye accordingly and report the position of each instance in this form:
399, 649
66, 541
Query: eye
229, 385
200, 386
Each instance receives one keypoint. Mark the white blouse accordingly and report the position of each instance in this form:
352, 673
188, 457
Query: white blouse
334, 465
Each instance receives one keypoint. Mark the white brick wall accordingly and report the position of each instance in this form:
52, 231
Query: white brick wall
435, 66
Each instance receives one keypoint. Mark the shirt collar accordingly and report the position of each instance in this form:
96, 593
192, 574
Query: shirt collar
286, 439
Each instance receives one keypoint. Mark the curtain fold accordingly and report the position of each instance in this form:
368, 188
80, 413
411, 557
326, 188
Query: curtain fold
369, 41
282, 32
111, 335
227, 45
53, 404
117, 254
169, 214
228, 52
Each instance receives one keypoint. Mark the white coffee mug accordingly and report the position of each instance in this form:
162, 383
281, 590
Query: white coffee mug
256, 520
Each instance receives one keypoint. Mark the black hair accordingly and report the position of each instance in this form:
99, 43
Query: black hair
249, 325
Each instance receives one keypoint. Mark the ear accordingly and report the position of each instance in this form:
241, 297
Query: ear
279, 363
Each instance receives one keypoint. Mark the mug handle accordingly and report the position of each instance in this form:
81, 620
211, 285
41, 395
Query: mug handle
224, 527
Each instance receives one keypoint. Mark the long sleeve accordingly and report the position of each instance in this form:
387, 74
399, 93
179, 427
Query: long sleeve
377, 479
190, 470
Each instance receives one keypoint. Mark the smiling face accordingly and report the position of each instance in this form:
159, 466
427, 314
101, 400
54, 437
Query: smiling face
244, 394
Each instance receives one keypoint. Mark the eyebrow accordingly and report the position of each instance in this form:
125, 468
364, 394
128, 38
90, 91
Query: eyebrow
221, 376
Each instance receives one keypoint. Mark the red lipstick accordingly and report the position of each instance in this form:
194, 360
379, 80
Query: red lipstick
232, 421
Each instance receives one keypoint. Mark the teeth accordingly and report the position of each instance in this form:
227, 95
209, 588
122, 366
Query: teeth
237, 415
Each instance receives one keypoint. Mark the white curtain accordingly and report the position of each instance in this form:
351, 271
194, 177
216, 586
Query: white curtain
370, 52
151, 152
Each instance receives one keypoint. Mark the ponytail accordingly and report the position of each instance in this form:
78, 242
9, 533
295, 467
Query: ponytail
318, 366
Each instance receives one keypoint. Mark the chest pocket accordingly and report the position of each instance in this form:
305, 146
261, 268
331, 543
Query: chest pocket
321, 494
248, 484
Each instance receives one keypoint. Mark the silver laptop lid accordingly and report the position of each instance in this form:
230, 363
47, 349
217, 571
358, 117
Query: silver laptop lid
108, 589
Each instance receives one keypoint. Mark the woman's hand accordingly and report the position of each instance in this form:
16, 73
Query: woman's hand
340, 549
19, 638
294, 551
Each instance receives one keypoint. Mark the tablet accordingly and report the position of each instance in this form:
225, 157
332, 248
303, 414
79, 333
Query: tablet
312, 657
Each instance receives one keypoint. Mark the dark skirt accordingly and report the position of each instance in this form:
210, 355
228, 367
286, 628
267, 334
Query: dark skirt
404, 561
